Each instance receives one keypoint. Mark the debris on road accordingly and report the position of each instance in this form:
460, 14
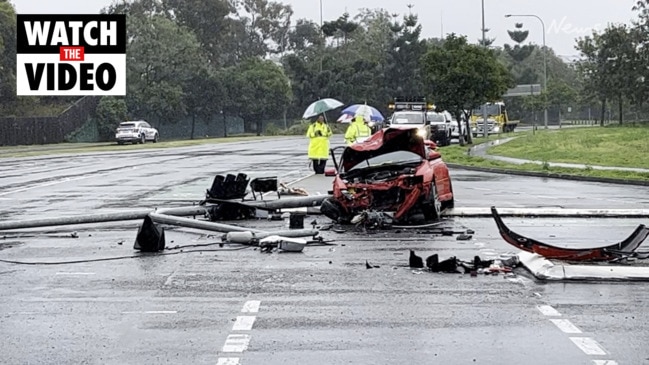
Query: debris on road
503, 264
625, 248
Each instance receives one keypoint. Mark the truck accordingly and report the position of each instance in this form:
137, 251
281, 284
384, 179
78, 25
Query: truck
417, 113
497, 119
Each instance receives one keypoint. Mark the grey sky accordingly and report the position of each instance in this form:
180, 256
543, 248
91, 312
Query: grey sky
564, 19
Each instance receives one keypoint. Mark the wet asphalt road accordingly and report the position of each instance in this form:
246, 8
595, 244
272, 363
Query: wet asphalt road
319, 307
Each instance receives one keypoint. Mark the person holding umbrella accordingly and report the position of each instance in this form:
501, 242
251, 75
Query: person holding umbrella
358, 130
319, 134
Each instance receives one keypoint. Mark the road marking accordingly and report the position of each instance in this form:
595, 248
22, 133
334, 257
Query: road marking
565, 325
75, 273
150, 312
228, 361
548, 310
604, 362
236, 343
243, 323
251, 306
588, 345
61, 181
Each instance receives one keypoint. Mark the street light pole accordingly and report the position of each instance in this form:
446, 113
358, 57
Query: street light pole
545, 64
322, 34
485, 128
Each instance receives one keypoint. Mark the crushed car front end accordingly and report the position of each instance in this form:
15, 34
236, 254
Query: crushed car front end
390, 172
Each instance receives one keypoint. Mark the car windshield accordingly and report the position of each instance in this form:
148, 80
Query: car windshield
493, 109
436, 118
390, 158
127, 125
407, 118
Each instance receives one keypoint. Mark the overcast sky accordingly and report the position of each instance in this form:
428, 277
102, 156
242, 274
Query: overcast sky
564, 19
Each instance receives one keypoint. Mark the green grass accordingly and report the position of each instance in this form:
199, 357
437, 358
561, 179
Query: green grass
67, 148
625, 146
458, 155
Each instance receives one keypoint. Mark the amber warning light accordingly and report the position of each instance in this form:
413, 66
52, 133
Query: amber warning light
71, 54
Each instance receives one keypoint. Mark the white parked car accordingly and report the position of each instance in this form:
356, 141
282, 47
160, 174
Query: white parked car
136, 131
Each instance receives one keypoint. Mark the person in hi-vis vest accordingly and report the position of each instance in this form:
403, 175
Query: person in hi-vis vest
318, 134
358, 131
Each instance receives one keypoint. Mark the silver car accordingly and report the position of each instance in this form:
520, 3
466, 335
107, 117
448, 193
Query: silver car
137, 131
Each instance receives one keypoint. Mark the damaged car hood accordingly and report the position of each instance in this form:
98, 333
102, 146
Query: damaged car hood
382, 142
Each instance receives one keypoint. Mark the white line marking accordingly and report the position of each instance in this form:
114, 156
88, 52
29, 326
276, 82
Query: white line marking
243, 323
588, 345
150, 312
75, 273
236, 343
228, 361
548, 310
251, 306
565, 325
61, 181
604, 362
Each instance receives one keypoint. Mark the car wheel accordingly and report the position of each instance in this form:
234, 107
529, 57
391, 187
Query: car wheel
155, 138
142, 139
432, 208
332, 209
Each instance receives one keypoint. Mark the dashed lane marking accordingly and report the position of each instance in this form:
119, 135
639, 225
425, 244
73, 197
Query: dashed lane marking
228, 361
150, 312
243, 323
588, 345
236, 343
604, 362
239, 342
251, 306
565, 325
548, 310
75, 273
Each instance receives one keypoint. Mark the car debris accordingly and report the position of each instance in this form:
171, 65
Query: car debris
395, 170
625, 248
287, 190
453, 265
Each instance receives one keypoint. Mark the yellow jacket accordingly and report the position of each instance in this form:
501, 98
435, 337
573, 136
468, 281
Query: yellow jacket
319, 144
357, 130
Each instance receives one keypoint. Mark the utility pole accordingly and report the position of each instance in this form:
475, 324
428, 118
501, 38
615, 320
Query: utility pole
323, 40
485, 128
545, 64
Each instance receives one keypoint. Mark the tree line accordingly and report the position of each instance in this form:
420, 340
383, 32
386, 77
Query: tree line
192, 61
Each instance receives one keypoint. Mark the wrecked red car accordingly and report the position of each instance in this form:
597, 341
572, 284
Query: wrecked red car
394, 171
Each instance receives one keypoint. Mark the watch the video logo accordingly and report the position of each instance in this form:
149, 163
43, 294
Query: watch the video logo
71, 54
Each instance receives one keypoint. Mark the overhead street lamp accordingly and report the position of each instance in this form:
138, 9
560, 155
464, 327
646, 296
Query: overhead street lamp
545, 64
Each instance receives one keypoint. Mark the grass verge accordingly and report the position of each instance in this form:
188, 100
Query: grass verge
458, 155
614, 145
66, 148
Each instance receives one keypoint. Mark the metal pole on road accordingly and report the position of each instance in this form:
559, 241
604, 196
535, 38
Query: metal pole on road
545, 63
485, 128
99, 218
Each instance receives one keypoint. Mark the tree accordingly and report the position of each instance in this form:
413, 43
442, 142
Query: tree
560, 94
7, 55
262, 90
610, 66
110, 112
462, 76
162, 60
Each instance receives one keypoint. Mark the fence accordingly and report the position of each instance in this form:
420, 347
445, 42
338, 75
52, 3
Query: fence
43, 130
